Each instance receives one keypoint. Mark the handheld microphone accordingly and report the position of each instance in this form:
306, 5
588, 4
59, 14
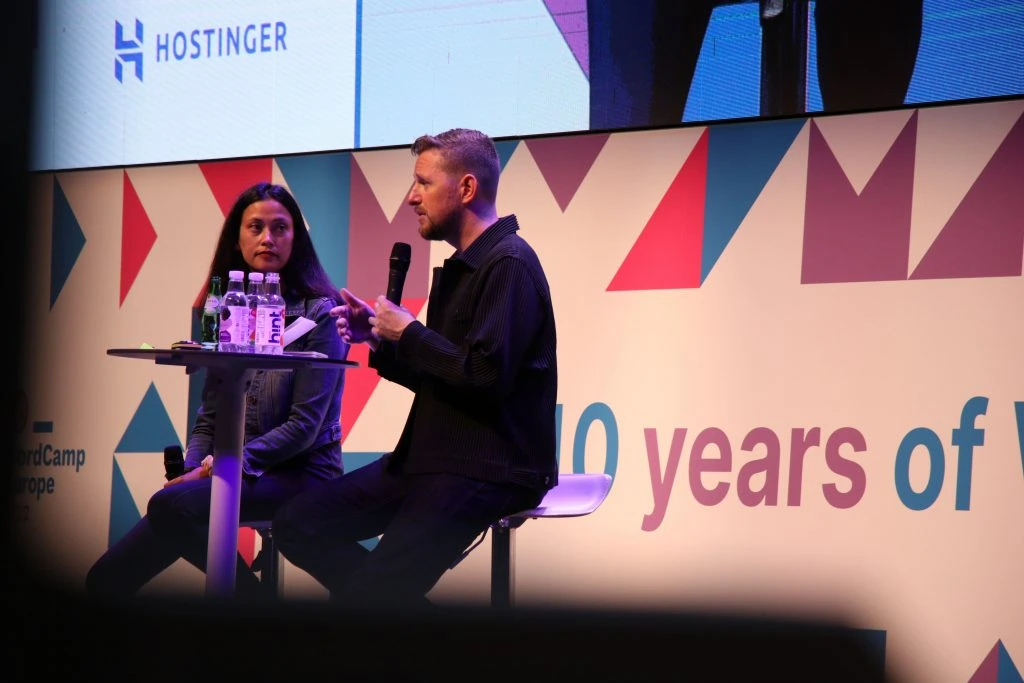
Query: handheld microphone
401, 253
174, 462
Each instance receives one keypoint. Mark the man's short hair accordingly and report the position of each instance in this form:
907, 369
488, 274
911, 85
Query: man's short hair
464, 150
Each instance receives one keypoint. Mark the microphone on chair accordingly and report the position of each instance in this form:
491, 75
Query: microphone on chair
401, 253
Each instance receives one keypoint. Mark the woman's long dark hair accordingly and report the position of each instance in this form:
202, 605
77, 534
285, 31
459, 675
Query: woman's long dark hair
303, 275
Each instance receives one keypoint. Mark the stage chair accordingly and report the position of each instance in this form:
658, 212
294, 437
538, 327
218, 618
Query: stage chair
268, 560
576, 495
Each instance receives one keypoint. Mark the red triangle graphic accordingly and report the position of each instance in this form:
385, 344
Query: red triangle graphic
565, 161
228, 178
988, 670
137, 237
247, 544
360, 382
667, 253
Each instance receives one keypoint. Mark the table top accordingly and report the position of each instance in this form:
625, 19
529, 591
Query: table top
207, 359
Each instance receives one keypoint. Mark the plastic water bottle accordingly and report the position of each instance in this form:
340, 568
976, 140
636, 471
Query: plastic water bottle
209, 324
234, 315
253, 297
270, 317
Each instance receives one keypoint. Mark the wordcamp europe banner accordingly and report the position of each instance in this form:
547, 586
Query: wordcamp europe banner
794, 344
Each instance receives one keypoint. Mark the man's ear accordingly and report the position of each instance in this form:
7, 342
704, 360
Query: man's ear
468, 188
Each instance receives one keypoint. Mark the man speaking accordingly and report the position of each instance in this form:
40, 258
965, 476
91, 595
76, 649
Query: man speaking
479, 440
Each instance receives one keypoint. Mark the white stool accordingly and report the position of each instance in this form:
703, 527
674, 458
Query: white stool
575, 495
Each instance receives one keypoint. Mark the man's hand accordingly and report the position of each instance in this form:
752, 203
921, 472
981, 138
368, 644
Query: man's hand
204, 471
389, 319
353, 319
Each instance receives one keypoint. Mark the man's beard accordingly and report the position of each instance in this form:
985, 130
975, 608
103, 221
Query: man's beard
438, 232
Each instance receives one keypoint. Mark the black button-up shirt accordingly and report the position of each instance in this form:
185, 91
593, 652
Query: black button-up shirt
483, 367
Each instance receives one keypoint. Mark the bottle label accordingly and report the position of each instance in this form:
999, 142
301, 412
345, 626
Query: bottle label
209, 329
234, 326
252, 325
269, 326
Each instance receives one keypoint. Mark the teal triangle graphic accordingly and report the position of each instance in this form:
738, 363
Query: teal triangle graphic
354, 461
741, 159
124, 514
1008, 672
150, 429
67, 242
505, 149
321, 185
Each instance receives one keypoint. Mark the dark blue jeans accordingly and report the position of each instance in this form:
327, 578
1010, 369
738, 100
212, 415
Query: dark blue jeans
176, 525
425, 521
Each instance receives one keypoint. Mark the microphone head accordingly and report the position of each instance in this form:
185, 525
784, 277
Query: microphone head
401, 254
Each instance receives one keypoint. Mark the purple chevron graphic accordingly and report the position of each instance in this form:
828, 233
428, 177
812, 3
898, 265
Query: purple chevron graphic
851, 238
985, 235
565, 162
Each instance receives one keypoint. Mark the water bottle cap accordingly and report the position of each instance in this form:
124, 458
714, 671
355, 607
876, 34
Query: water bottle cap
256, 276
236, 275
273, 277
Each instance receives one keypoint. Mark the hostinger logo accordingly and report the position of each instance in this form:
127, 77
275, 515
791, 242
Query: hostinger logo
127, 51
238, 40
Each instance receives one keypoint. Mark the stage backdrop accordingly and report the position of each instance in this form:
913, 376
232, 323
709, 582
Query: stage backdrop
794, 344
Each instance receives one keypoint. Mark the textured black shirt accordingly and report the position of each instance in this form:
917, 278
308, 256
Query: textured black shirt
483, 368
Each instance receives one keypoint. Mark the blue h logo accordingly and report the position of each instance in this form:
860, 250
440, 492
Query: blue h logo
127, 50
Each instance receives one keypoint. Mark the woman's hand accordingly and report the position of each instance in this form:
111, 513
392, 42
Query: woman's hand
202, 472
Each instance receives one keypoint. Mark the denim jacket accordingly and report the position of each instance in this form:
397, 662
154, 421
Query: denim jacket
292, 417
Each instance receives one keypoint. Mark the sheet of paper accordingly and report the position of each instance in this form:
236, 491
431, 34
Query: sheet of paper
299, 327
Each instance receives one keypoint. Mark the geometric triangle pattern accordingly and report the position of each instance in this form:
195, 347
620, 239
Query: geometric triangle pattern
667, 254
985, 235
124, 514
137, 237
360, 385
505, 148
150, 429
320, 184
741, 160
565, 161
67, 242
997, 667
370, 244
227, 179
858, 238
1018, 409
